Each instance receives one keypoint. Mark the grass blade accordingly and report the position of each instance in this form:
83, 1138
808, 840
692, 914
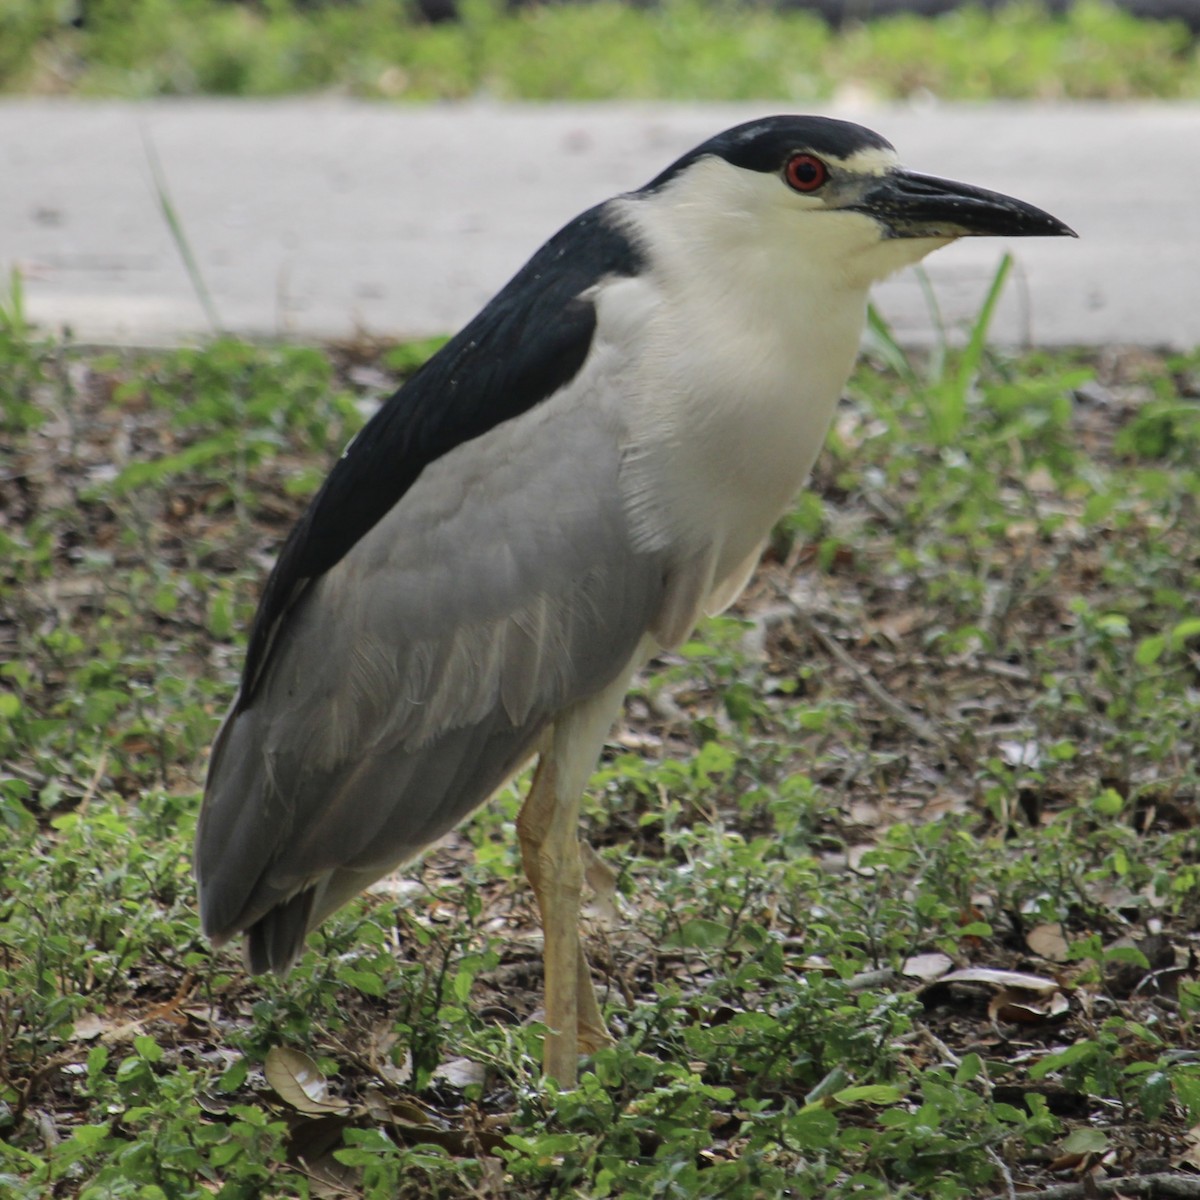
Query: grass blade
968, 366
179, 235
881, 341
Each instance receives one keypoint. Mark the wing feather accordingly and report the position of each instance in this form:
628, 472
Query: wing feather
432, 610
418, 672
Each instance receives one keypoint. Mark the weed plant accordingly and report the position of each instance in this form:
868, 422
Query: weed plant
674, 50
955, 715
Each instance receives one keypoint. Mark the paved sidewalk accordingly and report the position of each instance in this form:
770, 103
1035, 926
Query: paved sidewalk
312, 218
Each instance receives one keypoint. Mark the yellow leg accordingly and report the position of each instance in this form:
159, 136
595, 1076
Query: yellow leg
547, 827
593, 1033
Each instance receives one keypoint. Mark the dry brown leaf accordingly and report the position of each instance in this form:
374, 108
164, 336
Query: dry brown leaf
1047, 941
815, 962
409, 1112
1025, 753
1191, 1152
314, 1137
865, 812
1019, 1006
332, 1180
461, 1072
1001, 979
927, 966
855, 854
1066, 1163
898, 625
1041, 480
298, 1081
88, 1027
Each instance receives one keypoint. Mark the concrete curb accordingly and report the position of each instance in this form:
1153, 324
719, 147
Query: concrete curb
319, 218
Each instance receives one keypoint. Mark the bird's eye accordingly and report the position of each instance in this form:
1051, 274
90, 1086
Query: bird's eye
805, 173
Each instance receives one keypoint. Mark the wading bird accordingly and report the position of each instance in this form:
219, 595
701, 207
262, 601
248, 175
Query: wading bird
563, 490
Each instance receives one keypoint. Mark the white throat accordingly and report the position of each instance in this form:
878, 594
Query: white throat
748, 321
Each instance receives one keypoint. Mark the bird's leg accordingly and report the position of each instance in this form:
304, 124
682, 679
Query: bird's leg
547, 828
602, 879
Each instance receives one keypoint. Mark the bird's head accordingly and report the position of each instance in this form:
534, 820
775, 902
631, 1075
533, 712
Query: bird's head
827, 194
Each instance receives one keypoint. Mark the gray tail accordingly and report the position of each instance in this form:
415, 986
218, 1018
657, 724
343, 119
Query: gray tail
275, 941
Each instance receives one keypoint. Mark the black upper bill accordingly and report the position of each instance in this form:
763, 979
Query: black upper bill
912, 206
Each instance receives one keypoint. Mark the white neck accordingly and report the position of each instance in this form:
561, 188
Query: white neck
748, 318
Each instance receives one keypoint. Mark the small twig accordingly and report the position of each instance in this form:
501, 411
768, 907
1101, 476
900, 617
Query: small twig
864, 981
912, 721
1148, 1187
36, 1077
947, 1054
94, 782
1010, 1188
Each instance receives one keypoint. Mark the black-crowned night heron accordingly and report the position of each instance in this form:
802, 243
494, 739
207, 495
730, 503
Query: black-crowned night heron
564, 489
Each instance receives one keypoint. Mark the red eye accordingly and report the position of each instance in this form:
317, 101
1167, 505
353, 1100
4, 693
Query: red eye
805, 172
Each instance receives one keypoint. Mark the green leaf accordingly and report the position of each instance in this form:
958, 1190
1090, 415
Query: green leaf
869, 1093
1185, 631
1127, 954
714, 759
97, 1060
1149, 650
698, 933
1085, 1141
87, 1136
832, 1083
220, 616
1153, 1094
970, 1068
147, 1048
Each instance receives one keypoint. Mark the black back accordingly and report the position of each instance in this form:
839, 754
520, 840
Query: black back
525, 345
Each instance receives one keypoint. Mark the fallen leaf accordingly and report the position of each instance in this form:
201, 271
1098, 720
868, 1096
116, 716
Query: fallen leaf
1018, 998
1191, 1153
460, 1072
927, 966
1066, 1163
1019, 1006
311, 1139
1047, 941
815, 962
88, 1027
1085, 1141
1040, 480
855, 855
408, 1112
298, 1081
897, 626
396, 887
1020, 754
865, 812
1001, 979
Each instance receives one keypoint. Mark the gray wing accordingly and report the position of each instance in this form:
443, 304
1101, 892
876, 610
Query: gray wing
418, 673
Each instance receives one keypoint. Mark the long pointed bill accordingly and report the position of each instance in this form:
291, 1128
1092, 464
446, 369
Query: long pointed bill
921, 206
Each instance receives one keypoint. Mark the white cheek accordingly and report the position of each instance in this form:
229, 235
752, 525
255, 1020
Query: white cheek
893, 254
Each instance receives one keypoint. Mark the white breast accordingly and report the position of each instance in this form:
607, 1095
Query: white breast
744, 344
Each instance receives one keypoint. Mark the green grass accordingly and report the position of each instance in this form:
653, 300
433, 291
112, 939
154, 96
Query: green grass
678, 50
959, 706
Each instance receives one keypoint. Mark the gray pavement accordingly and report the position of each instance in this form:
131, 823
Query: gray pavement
320, 218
